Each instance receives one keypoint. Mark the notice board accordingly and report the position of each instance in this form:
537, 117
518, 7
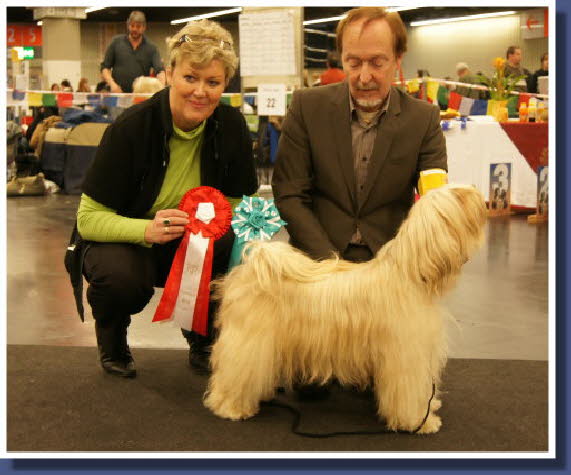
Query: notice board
267, 44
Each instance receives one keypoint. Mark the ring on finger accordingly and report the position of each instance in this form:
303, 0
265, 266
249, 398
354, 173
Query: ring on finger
167, 221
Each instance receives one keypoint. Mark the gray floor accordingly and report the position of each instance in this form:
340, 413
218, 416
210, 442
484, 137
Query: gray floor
500, 304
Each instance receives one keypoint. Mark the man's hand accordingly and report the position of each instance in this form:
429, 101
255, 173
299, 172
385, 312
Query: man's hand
108, 78
115, 87
167, 225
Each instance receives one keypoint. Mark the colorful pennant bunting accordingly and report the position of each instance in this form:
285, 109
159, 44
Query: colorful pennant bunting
110, 101
94, 99
454, 100
442, 95
432, 90
480, 107
34, 99
49, 100
466, 106
65, 99
412, 86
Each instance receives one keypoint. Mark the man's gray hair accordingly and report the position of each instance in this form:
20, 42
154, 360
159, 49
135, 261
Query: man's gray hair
136, 17
461, 67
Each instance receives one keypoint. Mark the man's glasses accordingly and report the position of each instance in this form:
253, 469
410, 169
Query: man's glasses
201, 39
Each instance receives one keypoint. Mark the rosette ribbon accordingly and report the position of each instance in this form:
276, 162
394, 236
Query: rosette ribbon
254, 219
186, 294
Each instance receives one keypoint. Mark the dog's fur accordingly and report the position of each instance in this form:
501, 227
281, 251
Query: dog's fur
285, 318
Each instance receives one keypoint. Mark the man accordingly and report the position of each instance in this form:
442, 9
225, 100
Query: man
350, 154
513, 68
466, 77
332, 74
130, 56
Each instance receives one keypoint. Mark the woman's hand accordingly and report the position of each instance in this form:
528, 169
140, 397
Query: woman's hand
167, 225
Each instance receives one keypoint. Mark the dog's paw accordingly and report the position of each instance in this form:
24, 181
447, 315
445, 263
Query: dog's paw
233, 414
431, 425
435, 405
226, 410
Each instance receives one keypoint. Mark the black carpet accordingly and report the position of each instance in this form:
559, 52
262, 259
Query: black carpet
58, 399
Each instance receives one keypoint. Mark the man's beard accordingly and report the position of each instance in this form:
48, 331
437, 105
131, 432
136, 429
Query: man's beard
370, 104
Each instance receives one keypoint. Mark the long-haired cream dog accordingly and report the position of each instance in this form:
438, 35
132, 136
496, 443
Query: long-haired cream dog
284, 318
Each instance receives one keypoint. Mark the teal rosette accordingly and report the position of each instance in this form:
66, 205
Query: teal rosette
254, 218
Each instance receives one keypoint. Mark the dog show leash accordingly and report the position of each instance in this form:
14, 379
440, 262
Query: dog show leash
297, 421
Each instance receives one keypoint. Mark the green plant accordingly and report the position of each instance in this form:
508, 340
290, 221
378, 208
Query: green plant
499, 84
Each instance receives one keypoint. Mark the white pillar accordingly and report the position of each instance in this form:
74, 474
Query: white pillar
61, 43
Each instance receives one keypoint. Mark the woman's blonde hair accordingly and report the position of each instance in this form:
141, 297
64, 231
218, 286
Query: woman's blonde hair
202, 41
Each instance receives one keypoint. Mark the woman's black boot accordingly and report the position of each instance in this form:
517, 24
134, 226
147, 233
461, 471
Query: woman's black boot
114, 353
199, 354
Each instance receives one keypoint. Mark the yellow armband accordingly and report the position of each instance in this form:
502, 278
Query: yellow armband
430, 179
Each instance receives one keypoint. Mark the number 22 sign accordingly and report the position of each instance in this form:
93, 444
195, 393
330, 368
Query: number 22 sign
271, 99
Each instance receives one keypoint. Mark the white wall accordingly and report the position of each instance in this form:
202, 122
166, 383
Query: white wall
439, 47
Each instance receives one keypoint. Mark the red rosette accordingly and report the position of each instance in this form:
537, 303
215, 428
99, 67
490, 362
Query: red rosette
211, 231
221, 221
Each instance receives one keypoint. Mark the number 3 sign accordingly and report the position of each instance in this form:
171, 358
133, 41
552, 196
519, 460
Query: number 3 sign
271, 99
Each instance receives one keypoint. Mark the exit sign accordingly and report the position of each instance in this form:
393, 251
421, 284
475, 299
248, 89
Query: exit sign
24, 52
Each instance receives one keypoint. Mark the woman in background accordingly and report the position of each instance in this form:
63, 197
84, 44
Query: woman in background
543, 71
83, 85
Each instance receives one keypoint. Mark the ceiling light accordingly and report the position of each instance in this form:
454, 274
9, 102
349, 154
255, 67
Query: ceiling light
460, 18
94, 9
315, 50
320, 32
323, 20
207, 15
338, 18
400, 9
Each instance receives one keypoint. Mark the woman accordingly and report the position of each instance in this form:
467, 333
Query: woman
543, 71
83, 85
148, 158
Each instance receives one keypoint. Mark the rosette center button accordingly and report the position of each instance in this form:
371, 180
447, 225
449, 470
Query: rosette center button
257, 219
205, 212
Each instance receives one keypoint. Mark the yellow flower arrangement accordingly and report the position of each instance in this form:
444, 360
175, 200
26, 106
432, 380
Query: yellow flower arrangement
499, 85
499, 63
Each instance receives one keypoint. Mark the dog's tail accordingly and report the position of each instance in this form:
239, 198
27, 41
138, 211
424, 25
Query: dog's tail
271, 264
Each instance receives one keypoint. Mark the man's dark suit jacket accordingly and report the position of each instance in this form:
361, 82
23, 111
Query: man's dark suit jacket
314, 180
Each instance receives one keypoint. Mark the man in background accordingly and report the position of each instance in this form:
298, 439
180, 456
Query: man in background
465, 76
513, 67
333, 73
130, 56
